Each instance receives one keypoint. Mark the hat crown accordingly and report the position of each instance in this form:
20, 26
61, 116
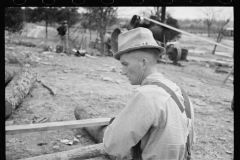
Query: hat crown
136, 39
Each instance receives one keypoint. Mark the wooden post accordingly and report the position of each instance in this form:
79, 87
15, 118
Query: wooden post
228, 75
18, 88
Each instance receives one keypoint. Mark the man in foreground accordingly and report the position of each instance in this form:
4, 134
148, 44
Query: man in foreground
153, 124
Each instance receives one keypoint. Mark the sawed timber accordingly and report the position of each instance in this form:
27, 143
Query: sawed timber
56, 125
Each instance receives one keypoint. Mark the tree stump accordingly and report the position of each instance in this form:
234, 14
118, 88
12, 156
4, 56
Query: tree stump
18, 88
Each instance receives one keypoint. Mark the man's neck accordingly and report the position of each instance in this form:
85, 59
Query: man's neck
149, 72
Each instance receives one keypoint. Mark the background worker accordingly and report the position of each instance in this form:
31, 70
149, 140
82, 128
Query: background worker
152, 124
62, 31
107, 43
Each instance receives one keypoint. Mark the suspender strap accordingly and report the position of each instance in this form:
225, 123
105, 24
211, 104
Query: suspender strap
175, 98
187, 104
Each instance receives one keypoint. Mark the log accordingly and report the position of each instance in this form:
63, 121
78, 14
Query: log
18, 88
96, 133
9, 74
91, 151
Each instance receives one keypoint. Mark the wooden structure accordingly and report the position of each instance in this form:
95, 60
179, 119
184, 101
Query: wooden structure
87, 152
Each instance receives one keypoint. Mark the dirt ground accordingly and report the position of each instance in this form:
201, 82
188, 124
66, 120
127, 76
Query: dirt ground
97, 83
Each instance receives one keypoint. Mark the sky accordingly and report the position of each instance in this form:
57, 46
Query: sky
176, 12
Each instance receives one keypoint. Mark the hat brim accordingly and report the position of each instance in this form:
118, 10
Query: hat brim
120, 53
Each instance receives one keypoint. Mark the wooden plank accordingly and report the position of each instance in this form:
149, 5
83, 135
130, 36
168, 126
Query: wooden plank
87, 152
56, 125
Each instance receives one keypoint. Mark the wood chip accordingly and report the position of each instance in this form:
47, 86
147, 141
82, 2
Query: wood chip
229, 152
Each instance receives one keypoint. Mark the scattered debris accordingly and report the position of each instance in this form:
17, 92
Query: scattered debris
229, 152
42, 144
113, 69
222, 70
75, 140
90, 56
222, 139
118, 81
41, 120
207, 65
65, 71
56, 147
103, 70
66, 141
44, 85
107, 79
78, 136
79, 53
46, 52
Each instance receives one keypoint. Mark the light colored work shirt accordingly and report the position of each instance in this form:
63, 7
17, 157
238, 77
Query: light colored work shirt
153, 117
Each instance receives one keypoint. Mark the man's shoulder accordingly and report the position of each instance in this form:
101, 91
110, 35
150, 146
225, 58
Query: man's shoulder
152, 91
151, 88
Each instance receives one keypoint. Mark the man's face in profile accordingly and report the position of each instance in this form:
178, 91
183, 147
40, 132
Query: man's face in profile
131, 68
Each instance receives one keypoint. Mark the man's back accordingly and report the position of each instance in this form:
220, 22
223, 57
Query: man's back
168, 134
155, 119
62, 30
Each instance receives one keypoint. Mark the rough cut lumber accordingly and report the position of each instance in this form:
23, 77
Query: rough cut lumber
18, 88
56, 125
87, 152
8, 75
95, 132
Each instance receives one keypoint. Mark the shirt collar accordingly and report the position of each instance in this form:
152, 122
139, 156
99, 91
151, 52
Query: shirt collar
152, 78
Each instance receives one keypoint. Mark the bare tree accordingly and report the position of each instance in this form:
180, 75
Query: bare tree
102, 16
209, 17
221, 26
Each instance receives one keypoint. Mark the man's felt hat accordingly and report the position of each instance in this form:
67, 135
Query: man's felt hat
136, 39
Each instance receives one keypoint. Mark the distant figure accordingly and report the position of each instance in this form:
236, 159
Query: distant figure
62, 30
107, 42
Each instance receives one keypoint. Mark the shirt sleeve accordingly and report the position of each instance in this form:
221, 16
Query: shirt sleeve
129, 126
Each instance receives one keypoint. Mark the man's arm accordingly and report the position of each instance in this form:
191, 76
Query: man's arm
129, 127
